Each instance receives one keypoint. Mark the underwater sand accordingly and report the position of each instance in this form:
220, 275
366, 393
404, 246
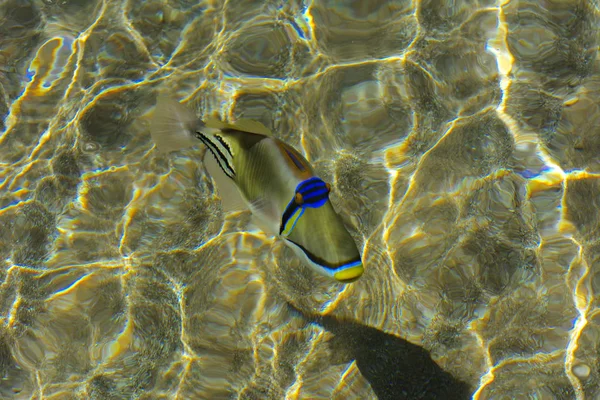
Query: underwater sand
460, 137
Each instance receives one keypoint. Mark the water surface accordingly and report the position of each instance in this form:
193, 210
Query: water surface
461, 142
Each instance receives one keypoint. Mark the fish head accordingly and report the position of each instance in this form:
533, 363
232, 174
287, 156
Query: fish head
310, 193
322, 241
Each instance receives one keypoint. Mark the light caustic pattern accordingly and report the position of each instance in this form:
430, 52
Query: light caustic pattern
462, 146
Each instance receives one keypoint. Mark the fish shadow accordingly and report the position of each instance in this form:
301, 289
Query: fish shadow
395, 368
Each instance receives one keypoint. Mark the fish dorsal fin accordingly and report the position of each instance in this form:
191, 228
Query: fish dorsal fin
242, 124
231, 198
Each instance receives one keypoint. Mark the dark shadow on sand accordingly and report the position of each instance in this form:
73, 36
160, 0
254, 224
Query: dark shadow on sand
395, 368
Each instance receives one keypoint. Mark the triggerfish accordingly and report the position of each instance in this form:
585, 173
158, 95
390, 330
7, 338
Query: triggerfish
269, 177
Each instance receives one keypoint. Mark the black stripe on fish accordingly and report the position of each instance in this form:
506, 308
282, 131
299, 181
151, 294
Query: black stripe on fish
218, 154
311, 184
223, 148
295, 160
314, 192
323, 263
315, 201
287, 214
224, 143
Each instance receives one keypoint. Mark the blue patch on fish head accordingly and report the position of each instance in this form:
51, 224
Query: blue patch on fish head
312, 193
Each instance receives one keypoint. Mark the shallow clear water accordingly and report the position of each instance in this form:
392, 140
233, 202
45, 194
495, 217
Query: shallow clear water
461, 142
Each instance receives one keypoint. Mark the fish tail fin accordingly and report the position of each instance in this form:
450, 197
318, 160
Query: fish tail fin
173, 125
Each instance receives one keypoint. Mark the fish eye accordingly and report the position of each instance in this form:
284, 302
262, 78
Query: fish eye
299, 199
328, 186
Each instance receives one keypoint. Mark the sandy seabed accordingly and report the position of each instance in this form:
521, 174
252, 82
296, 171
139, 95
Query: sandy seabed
461, 140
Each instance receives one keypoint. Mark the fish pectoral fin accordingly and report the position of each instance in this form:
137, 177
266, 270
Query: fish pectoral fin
265, 216
242, 124
262, 225
173, 125
231, 198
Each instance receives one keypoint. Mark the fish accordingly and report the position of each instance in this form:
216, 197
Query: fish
255, 170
